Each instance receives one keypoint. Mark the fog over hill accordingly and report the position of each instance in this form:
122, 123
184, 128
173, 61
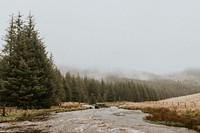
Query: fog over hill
190, 75
99, 74
187, 75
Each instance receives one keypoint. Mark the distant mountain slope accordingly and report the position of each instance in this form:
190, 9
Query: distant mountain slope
189, 75
189, 98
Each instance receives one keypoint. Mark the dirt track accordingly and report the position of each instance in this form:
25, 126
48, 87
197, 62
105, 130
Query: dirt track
108, 120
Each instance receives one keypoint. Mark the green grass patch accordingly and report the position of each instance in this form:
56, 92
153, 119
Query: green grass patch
33, 115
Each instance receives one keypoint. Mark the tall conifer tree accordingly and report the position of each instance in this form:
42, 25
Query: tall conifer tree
27, 71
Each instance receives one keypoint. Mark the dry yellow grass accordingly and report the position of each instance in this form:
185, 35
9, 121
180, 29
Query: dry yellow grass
70, 105
67, 105
189, 102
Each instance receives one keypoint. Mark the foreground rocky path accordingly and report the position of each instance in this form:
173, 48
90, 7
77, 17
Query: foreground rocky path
107, 120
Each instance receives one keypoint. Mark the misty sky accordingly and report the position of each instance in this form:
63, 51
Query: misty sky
158, 36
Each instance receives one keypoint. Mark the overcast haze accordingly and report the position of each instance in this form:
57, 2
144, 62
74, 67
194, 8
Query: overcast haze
159, 36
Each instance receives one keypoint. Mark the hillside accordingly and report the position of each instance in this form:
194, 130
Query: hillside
189, 98
188, 102
182, 102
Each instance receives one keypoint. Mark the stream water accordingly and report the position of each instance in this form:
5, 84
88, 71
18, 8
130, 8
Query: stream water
105, 120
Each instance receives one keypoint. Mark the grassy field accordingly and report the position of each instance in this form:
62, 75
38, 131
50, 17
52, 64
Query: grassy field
181, 111
14, 114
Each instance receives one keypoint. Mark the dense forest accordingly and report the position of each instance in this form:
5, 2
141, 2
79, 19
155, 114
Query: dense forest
30, 79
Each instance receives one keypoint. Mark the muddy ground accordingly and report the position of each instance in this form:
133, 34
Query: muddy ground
106, 120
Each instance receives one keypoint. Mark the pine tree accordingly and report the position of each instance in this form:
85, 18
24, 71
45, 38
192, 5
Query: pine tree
74, 90
68, 86
80, 86
27, 71
9, 83
110, 94
92, 91
1, 82
67, 91
60, 94
102, 90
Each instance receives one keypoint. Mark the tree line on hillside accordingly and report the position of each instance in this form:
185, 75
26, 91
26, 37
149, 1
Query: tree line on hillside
90, 90
30, 79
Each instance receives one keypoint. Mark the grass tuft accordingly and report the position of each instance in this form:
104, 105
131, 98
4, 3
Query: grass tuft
171, 117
